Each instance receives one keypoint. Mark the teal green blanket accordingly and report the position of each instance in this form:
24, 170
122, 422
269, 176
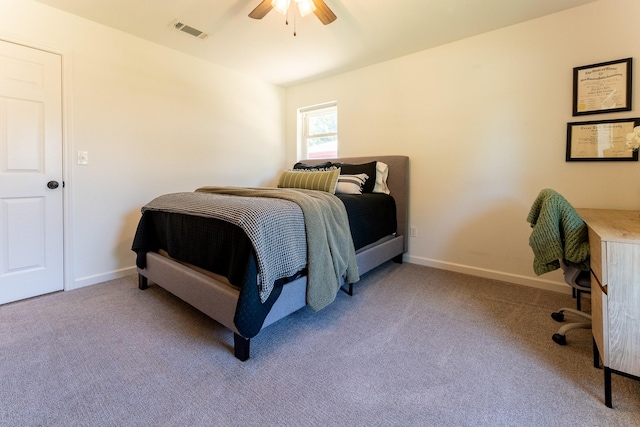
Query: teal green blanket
558, 232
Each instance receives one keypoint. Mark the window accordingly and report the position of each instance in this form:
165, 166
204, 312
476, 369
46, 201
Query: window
318, 130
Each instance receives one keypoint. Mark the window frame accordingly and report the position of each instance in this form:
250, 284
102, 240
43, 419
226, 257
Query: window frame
303, 126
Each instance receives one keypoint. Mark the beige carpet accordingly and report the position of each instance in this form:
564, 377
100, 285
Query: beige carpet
414, 346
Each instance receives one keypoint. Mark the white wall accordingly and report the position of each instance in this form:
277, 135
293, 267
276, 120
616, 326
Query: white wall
484, 123
153, 121
483, 120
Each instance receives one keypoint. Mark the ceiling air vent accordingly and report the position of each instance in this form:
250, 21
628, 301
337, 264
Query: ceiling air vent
180, 26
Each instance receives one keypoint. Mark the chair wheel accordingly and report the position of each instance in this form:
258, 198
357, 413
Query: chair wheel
559, 339
558, 316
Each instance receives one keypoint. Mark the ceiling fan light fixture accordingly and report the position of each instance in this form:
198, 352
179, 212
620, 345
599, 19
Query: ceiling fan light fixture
281, 5
306, 7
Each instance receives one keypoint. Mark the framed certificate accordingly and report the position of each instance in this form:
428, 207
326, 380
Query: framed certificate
602, 88
600, 140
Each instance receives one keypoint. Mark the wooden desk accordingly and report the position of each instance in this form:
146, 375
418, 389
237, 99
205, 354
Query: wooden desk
614, 240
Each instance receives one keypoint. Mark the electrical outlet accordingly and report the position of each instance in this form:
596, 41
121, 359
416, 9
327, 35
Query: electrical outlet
413, 231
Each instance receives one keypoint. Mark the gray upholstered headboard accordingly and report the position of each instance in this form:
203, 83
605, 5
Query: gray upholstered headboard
398, 183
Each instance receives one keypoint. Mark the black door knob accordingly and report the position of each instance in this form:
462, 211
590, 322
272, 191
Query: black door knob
53, 184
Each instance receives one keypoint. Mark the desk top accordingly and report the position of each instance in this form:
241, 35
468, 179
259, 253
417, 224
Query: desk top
613, 225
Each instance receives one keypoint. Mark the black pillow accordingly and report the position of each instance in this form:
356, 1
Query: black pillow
318, 167
368, 168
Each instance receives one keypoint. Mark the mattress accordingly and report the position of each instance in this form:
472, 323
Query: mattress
372, 216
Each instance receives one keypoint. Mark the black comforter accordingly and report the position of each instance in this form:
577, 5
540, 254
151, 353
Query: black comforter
223, 248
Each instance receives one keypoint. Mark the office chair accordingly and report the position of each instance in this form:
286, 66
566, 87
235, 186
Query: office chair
580, 281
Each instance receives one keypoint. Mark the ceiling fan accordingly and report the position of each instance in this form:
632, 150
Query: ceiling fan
318, 7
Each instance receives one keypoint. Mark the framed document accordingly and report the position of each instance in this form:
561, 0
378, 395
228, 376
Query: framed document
600, 140
602, 88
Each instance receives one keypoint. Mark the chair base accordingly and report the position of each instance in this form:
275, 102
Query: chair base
559, 339
560, 336
558, 316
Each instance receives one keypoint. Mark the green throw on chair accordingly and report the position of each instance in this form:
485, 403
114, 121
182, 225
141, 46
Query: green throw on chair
559, 239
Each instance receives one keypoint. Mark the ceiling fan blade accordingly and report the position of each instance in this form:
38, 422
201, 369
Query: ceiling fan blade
324, 14
261, 10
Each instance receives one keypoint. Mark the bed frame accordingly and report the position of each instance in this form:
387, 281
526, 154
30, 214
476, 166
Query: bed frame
217, 299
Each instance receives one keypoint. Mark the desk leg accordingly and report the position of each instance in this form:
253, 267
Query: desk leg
607, 387
596, 355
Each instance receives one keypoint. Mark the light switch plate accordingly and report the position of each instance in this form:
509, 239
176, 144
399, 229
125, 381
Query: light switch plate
83, 157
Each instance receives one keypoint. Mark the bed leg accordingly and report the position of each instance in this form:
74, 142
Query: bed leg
241, 347
397, 259
349, 290
143, 282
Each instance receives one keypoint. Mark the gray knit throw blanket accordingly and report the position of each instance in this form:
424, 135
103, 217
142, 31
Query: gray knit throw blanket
331, 256
557, 233
274, 227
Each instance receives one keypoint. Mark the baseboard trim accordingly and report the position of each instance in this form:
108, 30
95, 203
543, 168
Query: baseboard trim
517, 279
81, 282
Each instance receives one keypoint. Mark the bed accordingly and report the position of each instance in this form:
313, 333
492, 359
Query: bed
224, 286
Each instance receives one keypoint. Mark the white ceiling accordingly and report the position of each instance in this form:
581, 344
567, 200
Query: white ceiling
366, 31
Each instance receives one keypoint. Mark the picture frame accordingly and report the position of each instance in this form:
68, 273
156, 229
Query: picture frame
603, 87
602, 140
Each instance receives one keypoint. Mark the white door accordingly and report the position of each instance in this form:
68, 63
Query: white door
31, 232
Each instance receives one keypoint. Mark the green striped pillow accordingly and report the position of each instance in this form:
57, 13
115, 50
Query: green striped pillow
322, 181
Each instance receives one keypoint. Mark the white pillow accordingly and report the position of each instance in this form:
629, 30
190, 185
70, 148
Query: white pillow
382, 172
351, 184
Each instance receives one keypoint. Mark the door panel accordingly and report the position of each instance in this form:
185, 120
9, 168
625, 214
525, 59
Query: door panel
31, 215
25, 237
23, 135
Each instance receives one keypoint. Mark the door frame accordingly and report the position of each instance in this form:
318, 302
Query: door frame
67, 144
